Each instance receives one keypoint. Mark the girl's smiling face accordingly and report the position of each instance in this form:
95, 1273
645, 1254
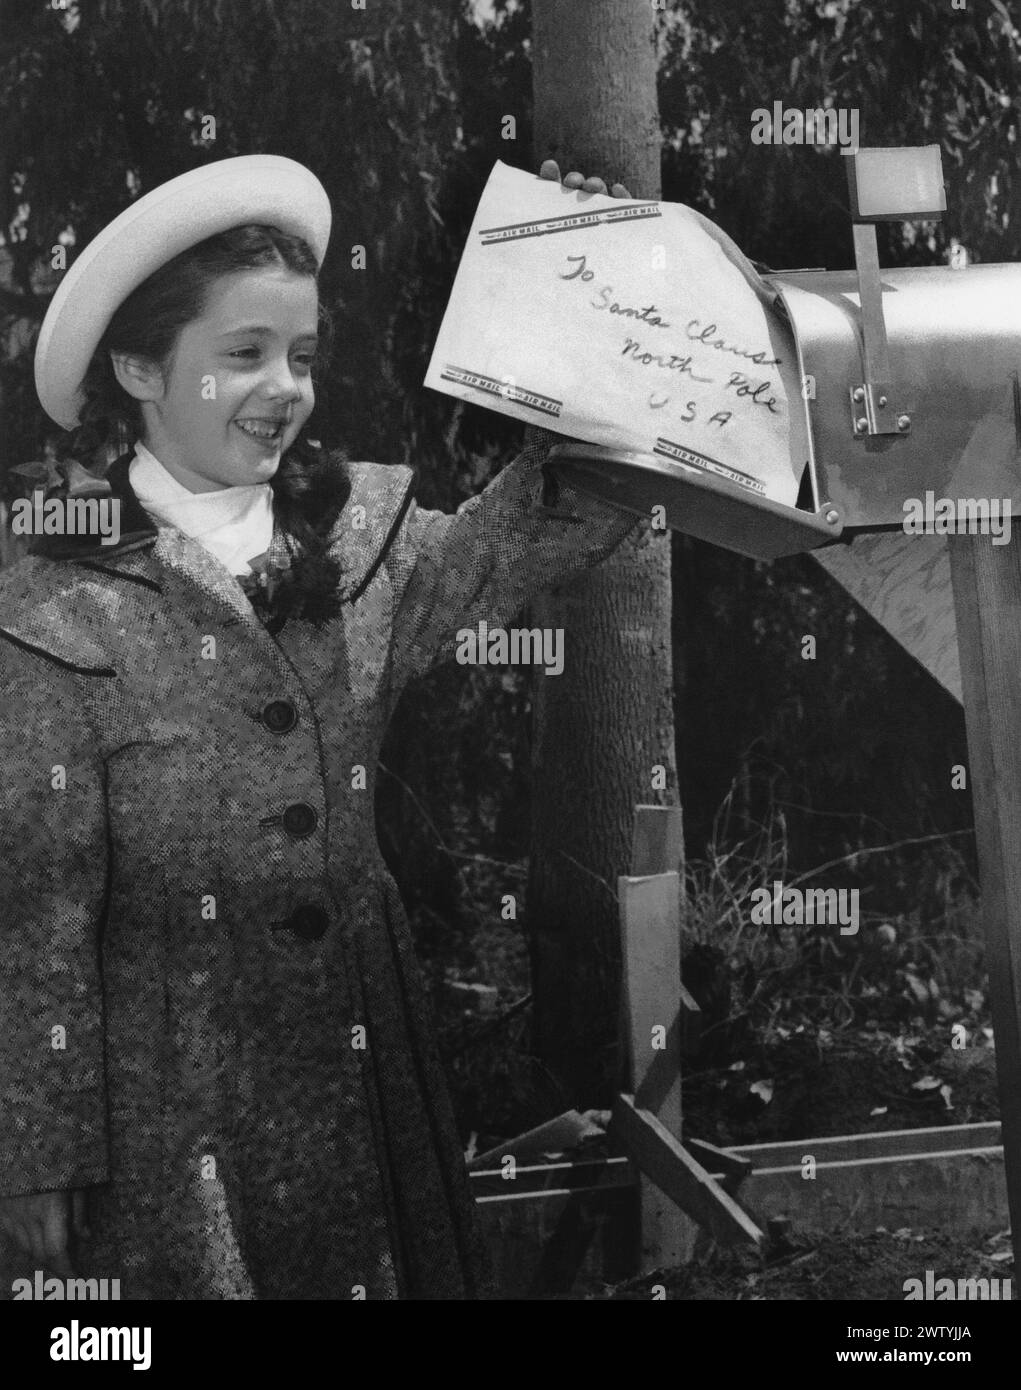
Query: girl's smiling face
237, 387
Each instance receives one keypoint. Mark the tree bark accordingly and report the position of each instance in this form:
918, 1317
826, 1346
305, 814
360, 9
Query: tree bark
603, 725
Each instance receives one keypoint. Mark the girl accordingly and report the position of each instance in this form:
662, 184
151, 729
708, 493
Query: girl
211, 1019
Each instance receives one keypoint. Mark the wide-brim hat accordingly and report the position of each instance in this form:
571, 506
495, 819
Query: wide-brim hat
259, 188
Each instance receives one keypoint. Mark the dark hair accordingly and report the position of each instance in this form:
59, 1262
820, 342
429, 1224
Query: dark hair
308, 490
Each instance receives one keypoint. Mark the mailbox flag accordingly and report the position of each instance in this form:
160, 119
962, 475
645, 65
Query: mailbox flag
626, 323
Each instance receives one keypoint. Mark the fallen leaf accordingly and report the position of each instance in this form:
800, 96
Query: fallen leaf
764, 1090
917, 987
878, 1110
927, 1083
468, 987
946, 1093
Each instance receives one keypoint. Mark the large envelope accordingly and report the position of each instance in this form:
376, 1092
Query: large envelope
627, 323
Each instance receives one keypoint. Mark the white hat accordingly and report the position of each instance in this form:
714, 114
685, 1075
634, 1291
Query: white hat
261, 188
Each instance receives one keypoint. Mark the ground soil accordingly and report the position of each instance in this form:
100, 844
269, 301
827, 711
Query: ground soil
847, 1266
814, 1084
901, 1057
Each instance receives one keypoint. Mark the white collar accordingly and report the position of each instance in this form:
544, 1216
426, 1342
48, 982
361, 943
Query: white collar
234, 524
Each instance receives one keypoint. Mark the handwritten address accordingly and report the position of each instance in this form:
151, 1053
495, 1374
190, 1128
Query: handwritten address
706, 335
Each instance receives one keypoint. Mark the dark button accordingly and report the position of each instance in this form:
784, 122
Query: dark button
300, 819
308, 921
279, 716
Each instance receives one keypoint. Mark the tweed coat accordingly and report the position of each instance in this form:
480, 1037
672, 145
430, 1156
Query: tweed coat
210, 1010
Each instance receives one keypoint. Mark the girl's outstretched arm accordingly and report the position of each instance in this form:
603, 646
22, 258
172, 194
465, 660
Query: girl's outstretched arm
491, 557
523, 534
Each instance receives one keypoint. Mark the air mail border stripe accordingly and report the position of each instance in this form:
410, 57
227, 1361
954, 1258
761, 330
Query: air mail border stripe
517, 231
682, 454
548, 405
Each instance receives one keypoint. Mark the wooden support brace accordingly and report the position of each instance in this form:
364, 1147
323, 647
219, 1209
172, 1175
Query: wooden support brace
651, 946
660, 1017
987, 598
657, 843
675, 1172
555, 1136
733, 1167
657, 847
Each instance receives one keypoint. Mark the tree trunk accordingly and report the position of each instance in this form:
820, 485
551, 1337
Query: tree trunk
604, 725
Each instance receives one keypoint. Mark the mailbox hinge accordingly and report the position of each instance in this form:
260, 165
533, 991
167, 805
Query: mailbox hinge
874, 406
873, 411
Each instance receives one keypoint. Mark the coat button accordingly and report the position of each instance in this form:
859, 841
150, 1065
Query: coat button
308, 921
300, 819
279, 716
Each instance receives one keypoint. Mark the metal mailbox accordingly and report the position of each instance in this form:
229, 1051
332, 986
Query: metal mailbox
911, 391
953, 398
953, 402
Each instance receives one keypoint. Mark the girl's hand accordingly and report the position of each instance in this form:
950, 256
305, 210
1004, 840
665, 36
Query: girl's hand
551, 170
40, 1223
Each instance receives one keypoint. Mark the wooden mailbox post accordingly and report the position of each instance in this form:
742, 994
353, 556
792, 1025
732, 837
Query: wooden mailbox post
987, 597
646, 1117
659, 1018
